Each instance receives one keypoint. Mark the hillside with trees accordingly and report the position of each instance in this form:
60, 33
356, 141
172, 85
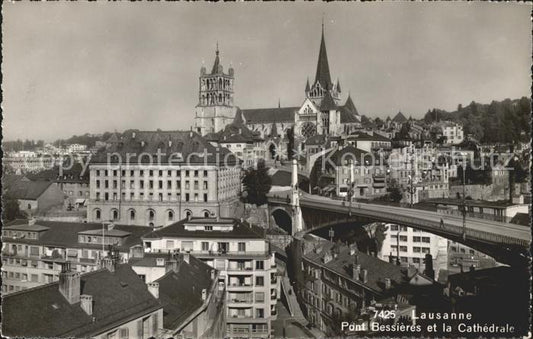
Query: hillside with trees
506, 121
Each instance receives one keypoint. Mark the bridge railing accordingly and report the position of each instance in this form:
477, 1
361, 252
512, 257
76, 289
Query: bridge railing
414, 222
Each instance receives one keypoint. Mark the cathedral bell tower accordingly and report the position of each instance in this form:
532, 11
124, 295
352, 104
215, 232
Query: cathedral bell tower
215, 108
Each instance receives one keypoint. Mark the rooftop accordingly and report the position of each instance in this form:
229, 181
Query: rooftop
342, 264
269, 115
65, 234
44, 312
240, 230
180, 291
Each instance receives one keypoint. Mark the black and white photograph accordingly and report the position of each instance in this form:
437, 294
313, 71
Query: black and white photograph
182, 170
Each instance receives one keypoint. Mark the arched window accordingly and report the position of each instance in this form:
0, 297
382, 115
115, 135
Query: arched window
207, 214
114, 214
132, 215
151, 215
170, 215
188, 213
97, 214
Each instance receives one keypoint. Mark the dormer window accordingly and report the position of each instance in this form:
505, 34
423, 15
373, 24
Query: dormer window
208, 228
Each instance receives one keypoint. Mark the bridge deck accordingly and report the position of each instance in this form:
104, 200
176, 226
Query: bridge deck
485, 230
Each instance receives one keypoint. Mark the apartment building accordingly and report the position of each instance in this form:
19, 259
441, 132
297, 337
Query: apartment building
241, 254
81, 306
339, 282
33, 252
412, 245
156, 178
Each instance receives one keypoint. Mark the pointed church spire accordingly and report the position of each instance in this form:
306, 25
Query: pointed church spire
217, 62
338, 86
307, 87
279, 103
322, 69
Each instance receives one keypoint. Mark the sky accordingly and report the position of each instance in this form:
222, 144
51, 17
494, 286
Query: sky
74, 68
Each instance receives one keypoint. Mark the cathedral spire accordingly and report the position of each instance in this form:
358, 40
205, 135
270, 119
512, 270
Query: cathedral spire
307, 87
217, 62
322, 69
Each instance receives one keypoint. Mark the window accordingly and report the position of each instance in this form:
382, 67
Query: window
259, 297
259, 265
205, 174
426, 239
393, 227
416, 249
416, 260
208, 228
403, 248
132, 215
124, 333
403, 238
186, 246
416, 239
170, 215
97, 183
205, 246
205, 185
97, 214
205, 197
259, 281
259, 313
151, 215
242, 247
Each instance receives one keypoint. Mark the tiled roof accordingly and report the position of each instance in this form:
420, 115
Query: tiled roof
350, 105
135, 143
377, 269
328, 104
234, 133
28, 190
399, 118
317, 139
521, 219
180, 292
177, 230
65, 234
269, 115
44, 312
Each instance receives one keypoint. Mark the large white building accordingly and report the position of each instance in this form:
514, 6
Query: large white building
156, 178
412, 245
241, 254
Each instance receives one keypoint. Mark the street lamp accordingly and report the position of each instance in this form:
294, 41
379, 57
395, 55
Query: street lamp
464, 203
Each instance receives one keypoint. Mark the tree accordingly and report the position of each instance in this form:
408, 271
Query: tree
290, 144
394, 191
11, 210
257, 184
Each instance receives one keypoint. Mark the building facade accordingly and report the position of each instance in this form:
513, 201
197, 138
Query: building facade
189, 178
247, 267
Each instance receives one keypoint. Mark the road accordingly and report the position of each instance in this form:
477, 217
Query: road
481, 229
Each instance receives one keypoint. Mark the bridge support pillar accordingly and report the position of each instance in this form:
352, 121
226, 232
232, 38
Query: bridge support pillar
297, 218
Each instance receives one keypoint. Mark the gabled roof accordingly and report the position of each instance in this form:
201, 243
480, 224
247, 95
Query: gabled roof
347, 153
328, 104
269, 115
234, 133
180, 291
241, 230
44, 312
27, 190
347, 116
322, 69
399, 118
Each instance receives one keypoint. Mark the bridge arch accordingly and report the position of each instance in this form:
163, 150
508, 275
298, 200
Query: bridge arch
282, 218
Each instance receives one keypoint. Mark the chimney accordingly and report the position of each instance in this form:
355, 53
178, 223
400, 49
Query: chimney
172, 265
387, 283
204, 294
69, 283
153, 288
186, 257
364, 276
86, 303
108, 263
110, 226
356, 271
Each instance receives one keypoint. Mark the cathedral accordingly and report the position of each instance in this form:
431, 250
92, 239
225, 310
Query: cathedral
321, 112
